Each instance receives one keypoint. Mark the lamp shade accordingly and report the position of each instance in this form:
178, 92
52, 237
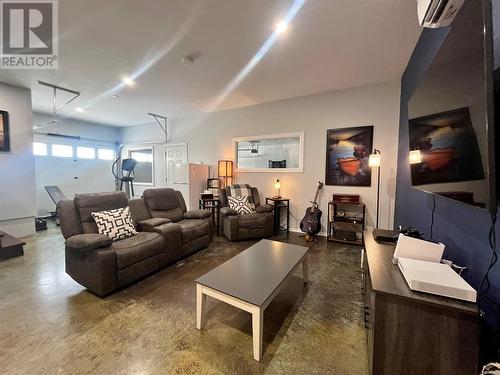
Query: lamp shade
277, 184
415, 157
374, 160
225, 168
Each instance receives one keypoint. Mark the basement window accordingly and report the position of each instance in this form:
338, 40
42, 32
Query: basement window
62, 151
39, 149
105, 154
85, 153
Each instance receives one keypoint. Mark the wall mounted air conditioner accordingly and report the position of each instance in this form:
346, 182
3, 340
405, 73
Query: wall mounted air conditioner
437, 13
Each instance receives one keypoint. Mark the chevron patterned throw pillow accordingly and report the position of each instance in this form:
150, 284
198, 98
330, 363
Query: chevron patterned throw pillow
240, 204
116, 224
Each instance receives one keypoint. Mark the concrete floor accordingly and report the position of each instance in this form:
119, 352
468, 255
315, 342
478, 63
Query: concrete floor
49, 324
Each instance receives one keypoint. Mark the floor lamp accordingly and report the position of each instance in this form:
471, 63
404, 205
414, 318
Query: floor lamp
374, 162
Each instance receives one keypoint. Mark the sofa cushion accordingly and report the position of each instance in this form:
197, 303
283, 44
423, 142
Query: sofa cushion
153, 222
138, 210
193, 228
253, 220
161, 199
87, 203
87, 242
197, 214
135, 249
116, 224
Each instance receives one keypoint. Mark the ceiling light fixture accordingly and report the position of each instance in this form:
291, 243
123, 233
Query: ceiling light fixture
281, 27
115, 96
79, 109
128, 81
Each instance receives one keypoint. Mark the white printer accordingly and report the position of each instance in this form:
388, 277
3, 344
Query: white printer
420, 264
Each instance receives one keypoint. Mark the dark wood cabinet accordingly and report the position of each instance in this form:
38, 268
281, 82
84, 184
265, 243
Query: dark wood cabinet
410, 332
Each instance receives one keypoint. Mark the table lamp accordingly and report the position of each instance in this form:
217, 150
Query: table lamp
277, 189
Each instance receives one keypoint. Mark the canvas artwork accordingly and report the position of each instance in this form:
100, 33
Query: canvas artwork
4, 132
448, 147
347, 153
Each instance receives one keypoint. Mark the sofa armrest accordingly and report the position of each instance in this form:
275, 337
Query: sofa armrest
226, 211
86, 242
197, 214
153, 222
264, 208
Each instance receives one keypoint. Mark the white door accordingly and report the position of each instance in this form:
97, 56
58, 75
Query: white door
174, 154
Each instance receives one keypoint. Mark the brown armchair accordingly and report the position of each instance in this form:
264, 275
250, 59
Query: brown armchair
237, 227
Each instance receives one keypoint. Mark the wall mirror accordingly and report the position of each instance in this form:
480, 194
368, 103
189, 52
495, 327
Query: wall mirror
270, 153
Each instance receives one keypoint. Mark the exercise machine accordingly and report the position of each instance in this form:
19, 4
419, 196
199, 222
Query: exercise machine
123, 170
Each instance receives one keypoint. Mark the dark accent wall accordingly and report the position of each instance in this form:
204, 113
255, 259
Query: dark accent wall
462, 228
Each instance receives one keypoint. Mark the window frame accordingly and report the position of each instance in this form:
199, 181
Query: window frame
52, 145
138, 149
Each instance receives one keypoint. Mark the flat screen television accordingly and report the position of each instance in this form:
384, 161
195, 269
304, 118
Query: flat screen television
451, 112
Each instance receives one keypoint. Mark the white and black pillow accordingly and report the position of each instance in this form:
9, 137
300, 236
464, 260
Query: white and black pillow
116, 224
240, 204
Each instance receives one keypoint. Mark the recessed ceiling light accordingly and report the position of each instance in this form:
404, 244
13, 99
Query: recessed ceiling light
128, 81
79, 109
114, 96
281, 27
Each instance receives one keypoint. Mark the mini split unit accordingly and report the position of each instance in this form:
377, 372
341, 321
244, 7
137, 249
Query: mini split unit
437, 13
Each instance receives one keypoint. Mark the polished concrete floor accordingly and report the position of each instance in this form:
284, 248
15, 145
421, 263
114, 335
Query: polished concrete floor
49, 324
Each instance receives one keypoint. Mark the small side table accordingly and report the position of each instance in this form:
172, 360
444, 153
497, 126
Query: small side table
278, 204
214, 206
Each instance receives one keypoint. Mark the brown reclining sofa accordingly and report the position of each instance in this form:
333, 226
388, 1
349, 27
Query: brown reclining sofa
167, 233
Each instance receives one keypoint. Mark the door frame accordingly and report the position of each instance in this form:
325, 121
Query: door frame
165, 164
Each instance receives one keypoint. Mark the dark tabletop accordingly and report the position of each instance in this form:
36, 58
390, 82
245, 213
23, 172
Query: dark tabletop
255, 273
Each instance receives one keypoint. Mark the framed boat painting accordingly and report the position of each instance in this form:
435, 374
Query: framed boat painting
449, 148
347, 153
4, 132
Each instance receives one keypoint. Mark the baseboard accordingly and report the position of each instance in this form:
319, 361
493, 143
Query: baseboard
19, 227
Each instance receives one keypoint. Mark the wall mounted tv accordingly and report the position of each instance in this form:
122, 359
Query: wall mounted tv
451, 113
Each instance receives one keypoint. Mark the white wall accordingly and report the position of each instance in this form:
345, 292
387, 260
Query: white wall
209, 138
17, 168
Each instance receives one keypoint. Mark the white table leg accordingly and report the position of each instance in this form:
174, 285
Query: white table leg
257, 330
305, 268
200, 306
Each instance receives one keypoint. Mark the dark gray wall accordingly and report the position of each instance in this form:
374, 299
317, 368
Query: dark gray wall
463, 229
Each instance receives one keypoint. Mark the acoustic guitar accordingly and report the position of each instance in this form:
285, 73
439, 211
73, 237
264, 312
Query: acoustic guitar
311, 223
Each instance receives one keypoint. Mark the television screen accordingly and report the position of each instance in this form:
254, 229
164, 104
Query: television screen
451, 114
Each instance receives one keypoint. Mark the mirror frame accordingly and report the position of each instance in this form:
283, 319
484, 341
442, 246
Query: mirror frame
300, 169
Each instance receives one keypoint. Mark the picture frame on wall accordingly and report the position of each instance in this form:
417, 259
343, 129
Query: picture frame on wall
4, 132
347, 154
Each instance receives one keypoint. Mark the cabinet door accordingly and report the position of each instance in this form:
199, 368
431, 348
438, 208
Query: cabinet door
369, 314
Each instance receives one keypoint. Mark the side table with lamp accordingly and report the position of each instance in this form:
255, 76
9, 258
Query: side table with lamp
278, 202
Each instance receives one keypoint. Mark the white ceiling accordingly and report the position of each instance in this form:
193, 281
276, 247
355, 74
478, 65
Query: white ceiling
329, 45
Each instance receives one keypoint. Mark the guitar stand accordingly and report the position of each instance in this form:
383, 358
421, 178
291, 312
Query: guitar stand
310, 237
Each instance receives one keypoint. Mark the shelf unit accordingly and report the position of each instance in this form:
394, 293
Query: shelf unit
346, 218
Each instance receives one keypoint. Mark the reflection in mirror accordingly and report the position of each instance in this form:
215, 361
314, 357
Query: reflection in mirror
448, 123
271, 152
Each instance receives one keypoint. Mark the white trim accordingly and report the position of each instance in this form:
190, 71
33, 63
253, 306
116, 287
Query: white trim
300, 169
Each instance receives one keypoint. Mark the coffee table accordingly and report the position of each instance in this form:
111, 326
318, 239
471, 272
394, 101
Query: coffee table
251, 280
